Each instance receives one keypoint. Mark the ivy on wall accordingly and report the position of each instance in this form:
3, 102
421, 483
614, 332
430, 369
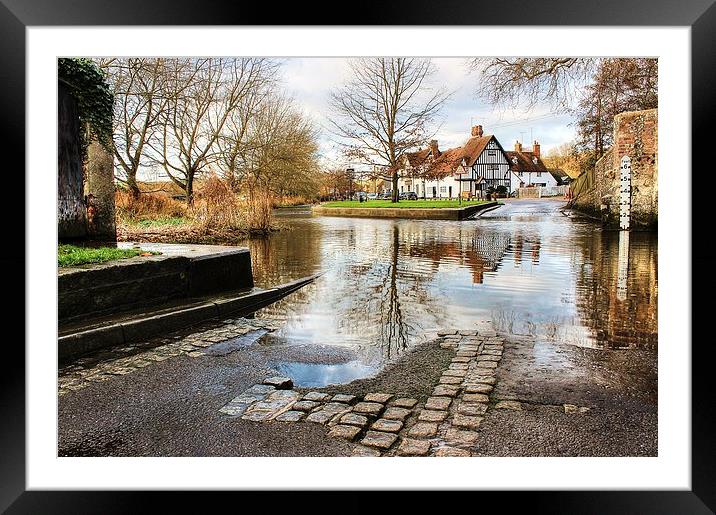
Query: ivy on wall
94, 98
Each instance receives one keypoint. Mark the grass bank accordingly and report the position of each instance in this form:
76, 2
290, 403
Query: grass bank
71, 255
217, 216
407, 204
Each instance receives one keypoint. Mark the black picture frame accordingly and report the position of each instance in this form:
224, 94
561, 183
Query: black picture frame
700, 15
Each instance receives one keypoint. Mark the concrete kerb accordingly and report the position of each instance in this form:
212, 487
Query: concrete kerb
180, 272
75, 344
405, 212
487, 210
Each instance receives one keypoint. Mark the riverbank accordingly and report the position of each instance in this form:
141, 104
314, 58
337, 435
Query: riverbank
407, 210
188, 233
404, 204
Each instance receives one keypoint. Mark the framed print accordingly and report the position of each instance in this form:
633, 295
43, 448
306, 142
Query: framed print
346, 250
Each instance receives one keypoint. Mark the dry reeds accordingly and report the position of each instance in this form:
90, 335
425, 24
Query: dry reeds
147, 206
216, 206
259, 211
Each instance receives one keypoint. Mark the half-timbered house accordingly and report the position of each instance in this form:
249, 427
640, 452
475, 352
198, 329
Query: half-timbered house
467, 171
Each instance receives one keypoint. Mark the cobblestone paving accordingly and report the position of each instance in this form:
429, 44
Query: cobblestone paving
190, 342
381, 424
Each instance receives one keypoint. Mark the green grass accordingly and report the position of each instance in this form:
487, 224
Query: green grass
171, 221
420, 204
71, 255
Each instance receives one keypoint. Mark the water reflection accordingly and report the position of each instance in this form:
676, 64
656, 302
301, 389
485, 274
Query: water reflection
387, 283
617, 293
317, 375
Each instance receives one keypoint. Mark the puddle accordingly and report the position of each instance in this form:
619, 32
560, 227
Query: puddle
316, 375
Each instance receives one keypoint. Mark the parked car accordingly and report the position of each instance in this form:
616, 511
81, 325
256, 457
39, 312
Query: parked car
372, 196
408, 195
360, 196
386, 195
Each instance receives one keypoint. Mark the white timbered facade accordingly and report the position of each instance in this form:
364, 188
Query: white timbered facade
479, 166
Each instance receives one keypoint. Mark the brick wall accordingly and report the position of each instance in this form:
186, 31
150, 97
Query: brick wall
636, 136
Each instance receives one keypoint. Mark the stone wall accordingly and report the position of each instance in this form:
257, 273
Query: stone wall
71, 210
636, 136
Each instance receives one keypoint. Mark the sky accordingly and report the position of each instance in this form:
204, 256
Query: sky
310, 80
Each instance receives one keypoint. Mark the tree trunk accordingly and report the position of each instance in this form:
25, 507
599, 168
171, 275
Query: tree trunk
395, 187
134, 190
99, 191
71, 209
190, 188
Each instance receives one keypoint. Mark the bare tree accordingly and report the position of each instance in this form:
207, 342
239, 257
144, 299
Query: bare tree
138, 85
202, 94
385, 109
594, 89
235, 140
280, 153
618, 85
526, 81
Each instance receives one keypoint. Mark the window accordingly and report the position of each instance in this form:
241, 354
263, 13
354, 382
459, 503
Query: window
539, 174
491, 152
519, 174
443, 189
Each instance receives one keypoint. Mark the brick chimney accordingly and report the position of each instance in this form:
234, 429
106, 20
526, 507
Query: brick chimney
518, 146
535, 148
434, 147
477, 130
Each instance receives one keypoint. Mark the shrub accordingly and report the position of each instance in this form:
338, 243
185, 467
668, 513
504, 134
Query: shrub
216, 206
147, 206
259, 211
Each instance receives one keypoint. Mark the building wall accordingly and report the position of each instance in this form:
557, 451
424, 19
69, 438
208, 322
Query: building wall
417, 184
529, 178
636, 136
493, 167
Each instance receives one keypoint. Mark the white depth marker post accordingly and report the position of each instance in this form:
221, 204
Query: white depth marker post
624, 222
625, 193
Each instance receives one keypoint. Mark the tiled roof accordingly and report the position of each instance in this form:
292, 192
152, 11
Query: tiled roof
417, 158
474, 147
446, 164
525, 162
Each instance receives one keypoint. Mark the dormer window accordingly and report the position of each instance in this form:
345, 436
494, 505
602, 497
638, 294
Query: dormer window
514, 160
534, 160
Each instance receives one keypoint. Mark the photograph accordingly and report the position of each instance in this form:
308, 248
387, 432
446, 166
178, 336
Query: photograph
417, 252
362, 256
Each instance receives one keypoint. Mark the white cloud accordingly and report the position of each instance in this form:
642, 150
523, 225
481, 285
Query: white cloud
310, 80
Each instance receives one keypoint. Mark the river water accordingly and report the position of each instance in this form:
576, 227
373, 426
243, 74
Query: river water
389, 284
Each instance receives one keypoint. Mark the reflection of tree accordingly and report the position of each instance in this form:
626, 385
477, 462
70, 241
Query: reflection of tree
393, 331
286, 255
619, 315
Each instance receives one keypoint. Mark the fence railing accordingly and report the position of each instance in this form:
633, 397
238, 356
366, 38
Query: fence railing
582, 184
542, 191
